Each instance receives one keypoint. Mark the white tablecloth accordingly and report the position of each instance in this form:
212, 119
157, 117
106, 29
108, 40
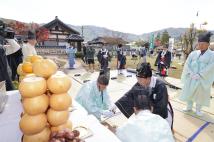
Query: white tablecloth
10, 117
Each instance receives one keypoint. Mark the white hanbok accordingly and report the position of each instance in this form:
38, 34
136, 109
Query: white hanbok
145, 127
198, 90
12, 47
27, 50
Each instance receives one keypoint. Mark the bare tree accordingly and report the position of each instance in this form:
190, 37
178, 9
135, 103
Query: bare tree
189, 39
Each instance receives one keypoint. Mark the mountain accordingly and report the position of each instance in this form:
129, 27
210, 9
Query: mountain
173, 32
91, 32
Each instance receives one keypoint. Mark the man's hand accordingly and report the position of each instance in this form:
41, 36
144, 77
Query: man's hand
107, 113
113, 108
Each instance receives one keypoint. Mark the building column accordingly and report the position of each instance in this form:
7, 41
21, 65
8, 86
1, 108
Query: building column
79, 46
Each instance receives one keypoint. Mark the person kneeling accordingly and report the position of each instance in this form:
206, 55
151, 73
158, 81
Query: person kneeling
144, 125
94, 98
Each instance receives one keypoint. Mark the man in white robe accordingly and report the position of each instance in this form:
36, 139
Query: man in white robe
198, 75
94, 98
29, 48
144, 126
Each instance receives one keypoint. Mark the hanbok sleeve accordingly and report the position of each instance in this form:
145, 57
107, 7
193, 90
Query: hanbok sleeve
75, 50
125, 104
107, 102
207, 73
160, 100
122, 134
67, 50
24, 51
93, 109
86, 99
187, 70
157, 59
34, 51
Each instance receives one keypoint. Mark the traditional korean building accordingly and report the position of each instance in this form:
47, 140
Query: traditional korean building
108, 41
59, 34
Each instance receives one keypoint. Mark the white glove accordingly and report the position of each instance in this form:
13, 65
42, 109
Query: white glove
107, 113
162, 62
195, 76
105, 56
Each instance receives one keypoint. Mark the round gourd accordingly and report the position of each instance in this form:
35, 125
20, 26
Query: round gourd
32, 86
60, 102
44, 68
43, 136
19, 70
56, 118
59, 83
21, 78
59, 72
30, 74
68, 125
36, 105
32, 124
27, 67
35, 58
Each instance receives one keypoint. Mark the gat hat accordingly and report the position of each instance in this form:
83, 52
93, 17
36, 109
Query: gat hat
120, 45
9, 33
31, 35
144, 70
204, 37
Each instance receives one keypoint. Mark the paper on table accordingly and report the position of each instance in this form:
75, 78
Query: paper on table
113, 115
84, 132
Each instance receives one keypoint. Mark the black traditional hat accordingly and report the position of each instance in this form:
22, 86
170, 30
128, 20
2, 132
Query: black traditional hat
144, 70
204, 37
31, 35
120, 45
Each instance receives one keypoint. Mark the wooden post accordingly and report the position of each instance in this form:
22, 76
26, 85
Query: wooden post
79, 46
57, 40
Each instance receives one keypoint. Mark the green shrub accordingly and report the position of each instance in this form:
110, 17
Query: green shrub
78, 54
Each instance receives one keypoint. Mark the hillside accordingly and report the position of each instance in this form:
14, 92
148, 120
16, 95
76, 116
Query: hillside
91, 32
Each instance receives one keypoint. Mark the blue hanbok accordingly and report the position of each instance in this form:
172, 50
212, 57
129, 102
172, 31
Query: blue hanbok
71, 55
198, 90
92, 99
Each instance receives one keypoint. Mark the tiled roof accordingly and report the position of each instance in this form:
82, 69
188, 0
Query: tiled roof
108, 40
56, 21
75, 37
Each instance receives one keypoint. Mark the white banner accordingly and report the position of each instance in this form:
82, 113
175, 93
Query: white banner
171, 44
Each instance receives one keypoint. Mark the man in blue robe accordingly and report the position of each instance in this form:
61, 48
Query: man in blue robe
94, 98
71, 55
198, 75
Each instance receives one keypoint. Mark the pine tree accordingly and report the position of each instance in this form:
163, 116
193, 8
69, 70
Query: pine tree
165, 37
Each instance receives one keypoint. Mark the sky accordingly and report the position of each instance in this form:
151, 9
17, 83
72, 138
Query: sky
129, 16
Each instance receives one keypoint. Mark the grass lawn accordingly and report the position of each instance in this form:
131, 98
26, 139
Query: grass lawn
130, 63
